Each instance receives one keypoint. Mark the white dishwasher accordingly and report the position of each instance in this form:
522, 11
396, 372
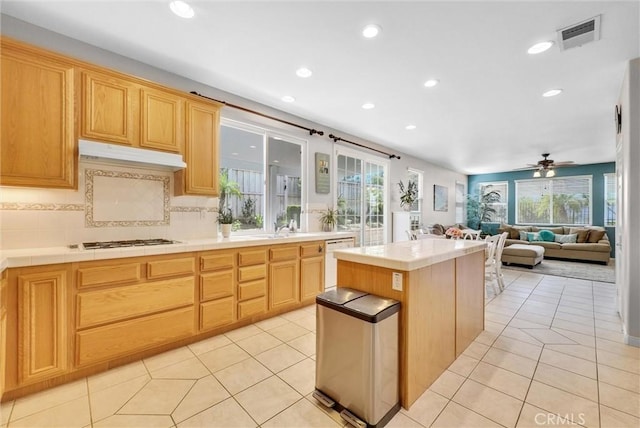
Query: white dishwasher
330, 263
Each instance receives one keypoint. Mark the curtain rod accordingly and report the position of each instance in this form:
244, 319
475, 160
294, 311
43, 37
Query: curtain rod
311, 131
336, 139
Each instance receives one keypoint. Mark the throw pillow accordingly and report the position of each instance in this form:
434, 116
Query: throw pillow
595, 236
533, 237
567, 239
523, 235
547, 235
582, 233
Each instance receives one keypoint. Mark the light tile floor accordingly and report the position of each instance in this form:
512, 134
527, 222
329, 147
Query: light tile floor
552, 354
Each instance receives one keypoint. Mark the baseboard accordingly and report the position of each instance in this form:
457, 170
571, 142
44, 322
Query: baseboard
630, 340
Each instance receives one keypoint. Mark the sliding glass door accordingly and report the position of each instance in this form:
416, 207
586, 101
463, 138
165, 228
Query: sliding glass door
361, 196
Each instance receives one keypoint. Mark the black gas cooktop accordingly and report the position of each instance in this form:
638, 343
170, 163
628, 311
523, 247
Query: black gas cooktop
128, 243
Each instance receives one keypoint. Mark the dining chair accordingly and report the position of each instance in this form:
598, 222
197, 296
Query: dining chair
490, 262
498, 259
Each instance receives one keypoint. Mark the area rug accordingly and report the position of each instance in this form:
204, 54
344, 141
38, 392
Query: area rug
579, 270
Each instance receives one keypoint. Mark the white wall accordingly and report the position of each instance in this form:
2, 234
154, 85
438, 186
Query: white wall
193, 208
628, 281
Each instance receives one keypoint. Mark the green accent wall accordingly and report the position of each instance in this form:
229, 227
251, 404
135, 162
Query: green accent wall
596, 171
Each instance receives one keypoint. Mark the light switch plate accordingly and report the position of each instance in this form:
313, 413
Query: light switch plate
397, 281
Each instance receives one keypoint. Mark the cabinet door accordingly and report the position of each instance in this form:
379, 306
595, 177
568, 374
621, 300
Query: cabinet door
200, 177
217, 313
42, 325
283, 283
162, 121
311, 277
37, 145
110, 106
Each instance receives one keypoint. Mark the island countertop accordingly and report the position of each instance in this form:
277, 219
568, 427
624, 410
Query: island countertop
410, 255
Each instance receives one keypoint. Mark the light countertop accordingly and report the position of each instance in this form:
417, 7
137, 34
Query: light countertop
410, 255
65, 254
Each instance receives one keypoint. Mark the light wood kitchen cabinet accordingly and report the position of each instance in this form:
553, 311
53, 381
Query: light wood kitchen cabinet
284, 281
311, 271
200, 177
37, 144
3, 330
217, 289
121, 110
42, 324
252, 278
115, 320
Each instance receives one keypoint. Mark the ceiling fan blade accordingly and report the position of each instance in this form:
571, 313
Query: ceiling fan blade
564, 163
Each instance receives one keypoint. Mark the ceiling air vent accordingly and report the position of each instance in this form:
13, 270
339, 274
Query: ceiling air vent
579, 34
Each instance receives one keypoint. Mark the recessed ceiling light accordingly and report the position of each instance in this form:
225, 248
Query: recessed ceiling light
431, 83
304, 72
182, 9
552, 93
234, 154
252, 147
368, 106
288, 99
276, 161
370, 31
539, 47
410, 127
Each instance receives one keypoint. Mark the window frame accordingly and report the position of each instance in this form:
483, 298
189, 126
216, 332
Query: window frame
416, 214
609, 179
484, 184
589, 178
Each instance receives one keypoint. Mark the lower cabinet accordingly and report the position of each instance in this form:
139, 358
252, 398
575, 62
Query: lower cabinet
283, 284
42, 325
311, 278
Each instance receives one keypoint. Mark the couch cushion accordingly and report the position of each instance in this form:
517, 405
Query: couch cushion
549, 245
556, 230
582, 233
547, 235
595, 235
567, 239
512, 231
600, 248
533, 237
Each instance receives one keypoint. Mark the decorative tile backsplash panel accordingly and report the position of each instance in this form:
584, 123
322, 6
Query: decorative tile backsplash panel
119, 203
126, 199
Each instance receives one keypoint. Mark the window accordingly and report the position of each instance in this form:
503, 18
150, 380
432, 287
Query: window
260, 176
610, 199
500, 207
564, 200
460, 211
416, 176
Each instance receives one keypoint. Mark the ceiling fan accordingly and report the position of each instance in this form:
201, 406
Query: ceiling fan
545, 166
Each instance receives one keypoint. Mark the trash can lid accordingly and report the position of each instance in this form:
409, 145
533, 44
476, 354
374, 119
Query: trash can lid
339, 296
372, 308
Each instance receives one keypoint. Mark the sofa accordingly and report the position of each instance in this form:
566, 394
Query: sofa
589, 243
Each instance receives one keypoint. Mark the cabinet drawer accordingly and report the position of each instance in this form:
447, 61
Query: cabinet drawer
216, 285
252, 257
249, 273
312, 249
108, 275
217, 261
115, 340
97, 307
283, 253
217, 313
252, 307
172, 267
252, 289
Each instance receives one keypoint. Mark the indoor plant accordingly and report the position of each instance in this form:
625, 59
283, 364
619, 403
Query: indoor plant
329, 218
408, 195
480, 208
225, 218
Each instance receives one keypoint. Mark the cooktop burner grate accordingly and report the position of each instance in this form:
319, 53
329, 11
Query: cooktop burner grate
126, 243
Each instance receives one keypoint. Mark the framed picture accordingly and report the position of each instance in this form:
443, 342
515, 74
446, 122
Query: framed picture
323, 177
440, 198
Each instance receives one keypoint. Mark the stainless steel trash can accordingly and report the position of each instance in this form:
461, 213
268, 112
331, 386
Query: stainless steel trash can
357, 359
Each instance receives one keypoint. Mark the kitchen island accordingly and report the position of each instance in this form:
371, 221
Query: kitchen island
440, 284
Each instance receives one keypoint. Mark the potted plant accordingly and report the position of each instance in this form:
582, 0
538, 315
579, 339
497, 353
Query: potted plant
408, 195
225, 219
329, 218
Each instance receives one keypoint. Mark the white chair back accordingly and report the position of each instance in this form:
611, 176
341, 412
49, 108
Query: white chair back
492, 245
500, 246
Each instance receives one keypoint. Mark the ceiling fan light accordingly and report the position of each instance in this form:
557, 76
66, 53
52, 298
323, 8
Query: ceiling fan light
537, 174
550, 173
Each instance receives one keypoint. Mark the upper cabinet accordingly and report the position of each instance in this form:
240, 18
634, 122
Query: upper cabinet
201, 151
37, 144
122, 111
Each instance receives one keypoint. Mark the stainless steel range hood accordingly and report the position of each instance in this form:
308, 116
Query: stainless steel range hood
113, 153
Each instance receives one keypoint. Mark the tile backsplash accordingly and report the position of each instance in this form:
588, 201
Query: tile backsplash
112, 203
